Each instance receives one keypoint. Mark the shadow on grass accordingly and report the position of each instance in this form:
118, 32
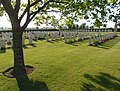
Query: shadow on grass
78, 42
2, 50
41, 39
50, 42
109, 44
73, 44
101, 82
26, 46
25, 84
55, 41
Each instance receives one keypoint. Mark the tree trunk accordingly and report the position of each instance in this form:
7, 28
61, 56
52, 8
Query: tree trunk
19, 66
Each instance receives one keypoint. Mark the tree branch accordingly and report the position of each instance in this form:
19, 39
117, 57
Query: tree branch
27, 22
33, 14
17, 6
34, 3
28, 8
28, 11
28, 16
41, 8
24, 12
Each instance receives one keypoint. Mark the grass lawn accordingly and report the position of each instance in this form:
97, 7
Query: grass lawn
67, 67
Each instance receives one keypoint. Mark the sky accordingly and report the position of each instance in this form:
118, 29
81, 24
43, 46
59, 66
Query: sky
5, 23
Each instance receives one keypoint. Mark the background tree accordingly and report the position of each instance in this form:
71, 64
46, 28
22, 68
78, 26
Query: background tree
84, 26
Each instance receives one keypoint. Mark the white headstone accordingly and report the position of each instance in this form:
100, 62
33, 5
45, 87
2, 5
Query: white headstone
30, 40
2, 43
47, 36
66, 36
23, 40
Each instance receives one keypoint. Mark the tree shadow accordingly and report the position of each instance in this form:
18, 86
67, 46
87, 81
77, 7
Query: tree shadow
50, 42
41, 39
109, 44
57, 40
77, 42
99, 46
54, 41
73, 44
25, 84
101, 82
3, 50
26, 45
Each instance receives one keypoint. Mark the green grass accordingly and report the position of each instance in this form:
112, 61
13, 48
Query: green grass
66, 67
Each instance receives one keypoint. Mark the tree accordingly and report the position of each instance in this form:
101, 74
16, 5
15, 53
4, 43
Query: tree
17, 10
83, 26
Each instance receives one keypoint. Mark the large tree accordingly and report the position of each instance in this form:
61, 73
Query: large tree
17, 10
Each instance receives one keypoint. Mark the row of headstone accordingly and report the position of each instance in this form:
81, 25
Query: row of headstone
90, 30
6, 38
74, 37
95, 40
78, 36
36, 35
50, 35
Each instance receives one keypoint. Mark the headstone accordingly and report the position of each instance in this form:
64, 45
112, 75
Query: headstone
2, 43
70, 36
11, 41
27, 35
52, 36
47, 36
65, 37
23, 40
56, 35
30, 40
8, 40
115, 27
74, 36
61, 34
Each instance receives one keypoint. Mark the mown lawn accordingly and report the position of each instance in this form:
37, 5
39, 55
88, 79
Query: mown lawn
67, 67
